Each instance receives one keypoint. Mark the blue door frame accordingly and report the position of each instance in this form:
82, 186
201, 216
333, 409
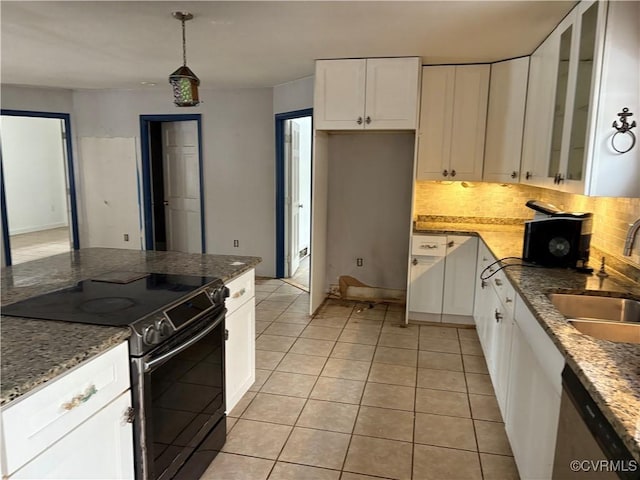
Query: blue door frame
145, 120
66, 118
280, 182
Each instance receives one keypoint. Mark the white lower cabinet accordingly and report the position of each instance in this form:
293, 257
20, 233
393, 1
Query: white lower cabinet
240, 360
525, 369
100, 448
74, 427
442, 278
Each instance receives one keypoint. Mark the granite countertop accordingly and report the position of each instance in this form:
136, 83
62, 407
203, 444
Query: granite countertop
610, 371
35, 351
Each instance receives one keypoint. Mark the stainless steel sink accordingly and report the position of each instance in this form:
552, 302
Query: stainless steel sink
613, 331
607, 318
596, 307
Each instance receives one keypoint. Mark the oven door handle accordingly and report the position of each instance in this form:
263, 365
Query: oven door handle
166, 356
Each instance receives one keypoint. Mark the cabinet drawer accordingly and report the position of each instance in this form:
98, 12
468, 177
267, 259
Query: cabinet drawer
36, 422
505, 291
431, 245
241, 289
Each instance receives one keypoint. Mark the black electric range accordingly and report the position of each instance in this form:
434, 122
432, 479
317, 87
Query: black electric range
155, 306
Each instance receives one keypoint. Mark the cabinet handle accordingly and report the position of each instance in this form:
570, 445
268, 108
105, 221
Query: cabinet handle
528, 175
359, 121
483, 284
129, 415
514, 174
368, 120
498, 282
453, 173
445, 172
239, 293
429, 246
414, 261
485, 259
558, 179
498, 316
226, 334
80, 398
508, 300
451, 244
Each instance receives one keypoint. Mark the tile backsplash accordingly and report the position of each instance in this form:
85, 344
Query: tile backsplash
611, 216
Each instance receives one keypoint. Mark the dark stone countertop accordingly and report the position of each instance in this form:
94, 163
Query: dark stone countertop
36, 351
610, 371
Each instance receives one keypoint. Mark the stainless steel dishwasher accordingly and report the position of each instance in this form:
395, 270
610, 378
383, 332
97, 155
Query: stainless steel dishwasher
587, 446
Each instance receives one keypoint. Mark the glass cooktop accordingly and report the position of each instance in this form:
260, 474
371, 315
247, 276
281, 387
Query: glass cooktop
111, 299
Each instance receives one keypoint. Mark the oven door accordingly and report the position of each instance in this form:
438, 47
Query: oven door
180, 397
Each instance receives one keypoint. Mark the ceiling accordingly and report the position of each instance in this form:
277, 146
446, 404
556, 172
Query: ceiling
238, 44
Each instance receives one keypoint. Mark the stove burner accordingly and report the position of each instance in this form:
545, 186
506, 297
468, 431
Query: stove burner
107, 305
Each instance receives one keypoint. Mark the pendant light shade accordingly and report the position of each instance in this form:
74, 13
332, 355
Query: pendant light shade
183, 81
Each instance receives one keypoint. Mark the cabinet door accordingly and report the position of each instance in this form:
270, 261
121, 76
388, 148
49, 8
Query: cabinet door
101, 447
502, 364
240, 360
539, 113
425, 294
459, 275
469, 122
339, 94
391, 100
533, 407
436, 115
505, 119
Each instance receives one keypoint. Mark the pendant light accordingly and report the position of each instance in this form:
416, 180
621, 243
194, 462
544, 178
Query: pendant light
183, 80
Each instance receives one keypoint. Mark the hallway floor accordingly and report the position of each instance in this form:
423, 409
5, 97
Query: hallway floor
350, 395
45, 243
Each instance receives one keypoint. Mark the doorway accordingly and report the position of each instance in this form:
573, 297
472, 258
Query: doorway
172, 185
39, 215
293, 196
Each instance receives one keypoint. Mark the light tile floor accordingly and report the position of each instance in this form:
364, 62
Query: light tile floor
350, 395
45, 243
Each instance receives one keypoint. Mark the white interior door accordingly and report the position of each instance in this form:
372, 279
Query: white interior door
182, 186
293, 133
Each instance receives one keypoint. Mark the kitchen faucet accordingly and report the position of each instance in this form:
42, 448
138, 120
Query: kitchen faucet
631, 235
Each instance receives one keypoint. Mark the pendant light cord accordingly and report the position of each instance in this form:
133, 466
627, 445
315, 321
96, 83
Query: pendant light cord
184, 44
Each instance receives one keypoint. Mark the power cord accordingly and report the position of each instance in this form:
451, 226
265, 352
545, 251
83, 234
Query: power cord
522, 264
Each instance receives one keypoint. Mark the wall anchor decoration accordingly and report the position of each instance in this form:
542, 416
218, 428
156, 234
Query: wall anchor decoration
625, 129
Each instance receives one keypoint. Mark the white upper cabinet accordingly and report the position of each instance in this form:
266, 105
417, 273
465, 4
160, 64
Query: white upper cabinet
539, 113
452, 122
372, 94
505, 119
597, 73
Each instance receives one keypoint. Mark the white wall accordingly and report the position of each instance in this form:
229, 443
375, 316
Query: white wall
295, 95
238, 158
34, 173
369, 207
304, 181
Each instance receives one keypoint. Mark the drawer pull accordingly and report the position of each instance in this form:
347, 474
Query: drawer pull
80, 398
498, 282
508, 300
498, 316
428, 246
239, 293
451, 244
483, 283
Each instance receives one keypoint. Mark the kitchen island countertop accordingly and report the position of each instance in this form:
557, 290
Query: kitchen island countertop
610, 371
36, 351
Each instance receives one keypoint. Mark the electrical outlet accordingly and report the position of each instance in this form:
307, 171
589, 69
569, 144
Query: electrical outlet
126, 237
359, 262
236, 243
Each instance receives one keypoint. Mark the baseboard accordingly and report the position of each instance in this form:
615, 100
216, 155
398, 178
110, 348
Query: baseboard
41, 228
